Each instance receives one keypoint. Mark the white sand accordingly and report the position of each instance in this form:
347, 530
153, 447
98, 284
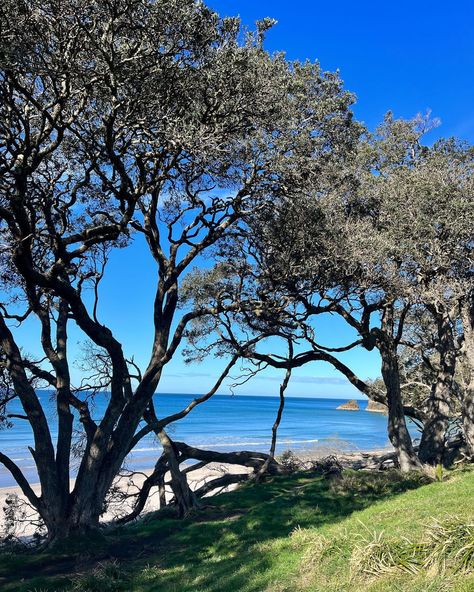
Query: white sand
195, 478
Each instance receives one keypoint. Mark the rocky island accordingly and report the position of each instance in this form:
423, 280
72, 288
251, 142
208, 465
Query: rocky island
376, 407
351, 405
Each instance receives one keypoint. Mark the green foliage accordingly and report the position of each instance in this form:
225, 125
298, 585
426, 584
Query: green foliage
439, 472
127, 118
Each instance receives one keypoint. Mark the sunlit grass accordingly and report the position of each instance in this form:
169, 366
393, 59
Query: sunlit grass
366, 531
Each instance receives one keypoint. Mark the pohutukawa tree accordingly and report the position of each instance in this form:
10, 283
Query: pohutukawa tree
118, 119
422, 201
410, 248
389, 234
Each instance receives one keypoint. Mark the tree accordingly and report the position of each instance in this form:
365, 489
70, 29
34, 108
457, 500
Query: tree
413, 246
390, 233
433, 242
122, 119
467, 410
430, 245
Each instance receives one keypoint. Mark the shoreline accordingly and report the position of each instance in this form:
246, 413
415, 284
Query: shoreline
355, 459
140, 461
26, 529
327, 447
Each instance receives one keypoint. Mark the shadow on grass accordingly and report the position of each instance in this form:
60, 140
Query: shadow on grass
226, 546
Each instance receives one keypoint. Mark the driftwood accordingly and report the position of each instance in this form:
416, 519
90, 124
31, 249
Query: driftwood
244, 458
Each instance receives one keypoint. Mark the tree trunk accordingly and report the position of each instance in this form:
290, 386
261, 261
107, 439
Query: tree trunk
263, 469
433, 437
467, 408
77, 520
468, 419
432, 445
397, 427
184, 498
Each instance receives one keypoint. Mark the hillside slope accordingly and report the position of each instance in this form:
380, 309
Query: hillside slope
364, 532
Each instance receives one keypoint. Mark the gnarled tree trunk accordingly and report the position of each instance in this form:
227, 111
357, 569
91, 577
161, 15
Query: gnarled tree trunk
432, 445
397, 427
467, 408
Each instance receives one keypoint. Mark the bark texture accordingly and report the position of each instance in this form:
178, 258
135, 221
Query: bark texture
467, 406
387, 342
433, 439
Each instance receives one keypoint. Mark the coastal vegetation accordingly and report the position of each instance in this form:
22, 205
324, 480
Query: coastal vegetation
265, 208
122, 120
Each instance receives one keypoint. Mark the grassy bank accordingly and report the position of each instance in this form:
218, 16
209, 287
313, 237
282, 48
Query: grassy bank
366, 531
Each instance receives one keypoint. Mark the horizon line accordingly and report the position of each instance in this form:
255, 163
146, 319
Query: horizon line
360, 397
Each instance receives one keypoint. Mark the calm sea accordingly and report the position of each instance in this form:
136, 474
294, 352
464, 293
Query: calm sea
229, 422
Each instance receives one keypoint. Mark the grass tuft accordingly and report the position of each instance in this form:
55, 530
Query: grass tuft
377, 554
107, 576
447, 546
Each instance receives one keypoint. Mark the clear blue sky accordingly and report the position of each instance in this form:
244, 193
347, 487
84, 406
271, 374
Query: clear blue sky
403, 56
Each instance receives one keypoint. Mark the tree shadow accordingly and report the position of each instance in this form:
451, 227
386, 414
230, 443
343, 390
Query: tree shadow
225, 552
225, 545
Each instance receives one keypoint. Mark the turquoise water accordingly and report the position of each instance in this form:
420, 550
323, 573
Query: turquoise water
229, 422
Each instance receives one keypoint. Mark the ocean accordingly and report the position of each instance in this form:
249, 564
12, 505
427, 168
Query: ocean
228, 422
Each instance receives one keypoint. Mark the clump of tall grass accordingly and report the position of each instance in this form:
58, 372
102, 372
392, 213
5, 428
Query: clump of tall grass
447, 546
314, 547
377, 554
450, 546
377, 484
107, 576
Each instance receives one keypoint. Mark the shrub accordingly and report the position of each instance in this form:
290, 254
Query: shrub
290, 461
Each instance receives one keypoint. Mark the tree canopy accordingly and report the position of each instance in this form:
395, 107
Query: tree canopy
119, 119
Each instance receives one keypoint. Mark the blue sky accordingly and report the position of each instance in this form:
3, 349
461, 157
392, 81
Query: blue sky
403, 56
407, 56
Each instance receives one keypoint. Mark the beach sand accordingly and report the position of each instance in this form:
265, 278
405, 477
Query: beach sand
196, 478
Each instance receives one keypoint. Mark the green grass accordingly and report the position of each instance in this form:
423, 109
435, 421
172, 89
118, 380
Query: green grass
366, 532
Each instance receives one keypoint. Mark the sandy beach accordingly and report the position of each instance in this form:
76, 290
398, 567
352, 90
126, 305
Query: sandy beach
196, 478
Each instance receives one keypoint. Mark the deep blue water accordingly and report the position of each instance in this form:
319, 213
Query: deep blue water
230, 422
